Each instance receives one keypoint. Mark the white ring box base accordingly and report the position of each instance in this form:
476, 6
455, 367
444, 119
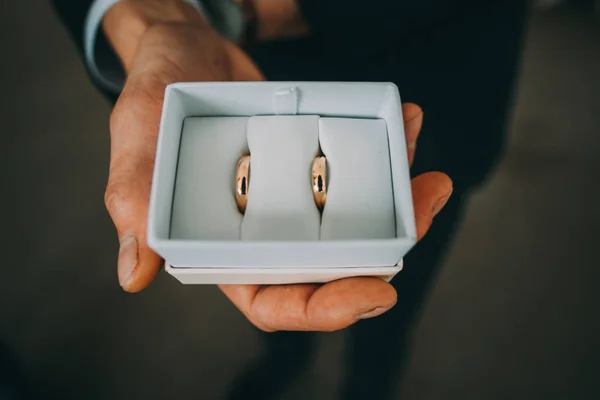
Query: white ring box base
195, 226
281, 276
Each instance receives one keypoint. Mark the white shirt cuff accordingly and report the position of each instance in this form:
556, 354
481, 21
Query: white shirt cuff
102, 63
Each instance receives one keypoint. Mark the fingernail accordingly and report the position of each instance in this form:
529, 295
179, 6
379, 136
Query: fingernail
374, 313
128, 258
439, 204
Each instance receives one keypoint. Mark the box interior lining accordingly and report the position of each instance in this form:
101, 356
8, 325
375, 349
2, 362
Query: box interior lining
360, 101
280, 206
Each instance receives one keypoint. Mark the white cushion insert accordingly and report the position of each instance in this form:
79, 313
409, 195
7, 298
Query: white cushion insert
204, 205
360, 202
280, 200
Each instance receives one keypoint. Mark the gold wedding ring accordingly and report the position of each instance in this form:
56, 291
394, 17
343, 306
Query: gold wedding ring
319, 181
242, 180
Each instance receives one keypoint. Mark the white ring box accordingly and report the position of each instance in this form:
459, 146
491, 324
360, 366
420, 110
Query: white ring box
367, 225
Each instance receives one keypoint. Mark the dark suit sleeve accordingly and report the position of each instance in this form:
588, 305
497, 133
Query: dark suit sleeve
72, 14
342, 28
373, 27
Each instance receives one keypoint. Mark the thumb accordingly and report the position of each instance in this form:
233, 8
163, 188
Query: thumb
126, 198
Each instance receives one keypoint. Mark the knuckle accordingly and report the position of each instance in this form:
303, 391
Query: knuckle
128, 189
113, 196
116, 196
262, 327
116, 116
259, 322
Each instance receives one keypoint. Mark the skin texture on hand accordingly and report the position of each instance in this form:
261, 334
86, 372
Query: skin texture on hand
188, 51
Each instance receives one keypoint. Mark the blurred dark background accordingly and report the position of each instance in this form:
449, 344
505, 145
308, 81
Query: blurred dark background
513, 315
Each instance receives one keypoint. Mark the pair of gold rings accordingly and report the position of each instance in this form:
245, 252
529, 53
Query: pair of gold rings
319, 182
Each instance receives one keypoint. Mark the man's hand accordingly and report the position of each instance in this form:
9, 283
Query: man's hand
336, 305
182, 49
158, 47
